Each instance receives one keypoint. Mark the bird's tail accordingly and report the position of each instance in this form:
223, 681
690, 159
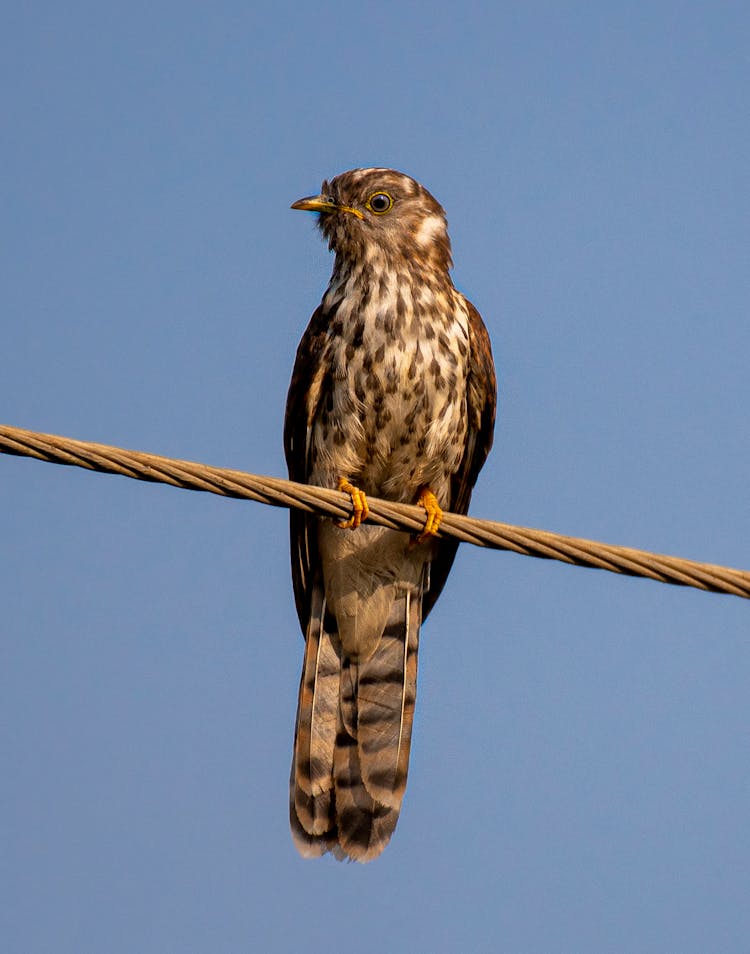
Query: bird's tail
353, 735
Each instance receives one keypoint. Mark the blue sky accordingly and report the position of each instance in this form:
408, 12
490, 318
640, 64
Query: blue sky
580, 774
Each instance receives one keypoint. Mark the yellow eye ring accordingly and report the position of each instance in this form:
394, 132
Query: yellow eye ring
379, 203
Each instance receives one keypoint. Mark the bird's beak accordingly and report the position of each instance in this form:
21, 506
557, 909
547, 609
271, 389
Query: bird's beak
322, 203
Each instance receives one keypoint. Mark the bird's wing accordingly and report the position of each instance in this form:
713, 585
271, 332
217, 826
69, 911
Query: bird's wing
306, 391
481, 401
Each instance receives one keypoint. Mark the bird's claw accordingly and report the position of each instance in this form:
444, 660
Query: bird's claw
360, 508
434, 511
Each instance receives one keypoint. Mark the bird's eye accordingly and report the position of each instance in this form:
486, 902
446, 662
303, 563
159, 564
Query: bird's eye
379, 203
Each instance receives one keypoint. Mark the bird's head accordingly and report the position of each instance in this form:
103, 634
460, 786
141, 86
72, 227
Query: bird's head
381, 213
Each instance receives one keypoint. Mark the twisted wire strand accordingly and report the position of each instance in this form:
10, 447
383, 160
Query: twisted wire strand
332, 503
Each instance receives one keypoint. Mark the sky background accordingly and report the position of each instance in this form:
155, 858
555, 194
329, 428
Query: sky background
580, 772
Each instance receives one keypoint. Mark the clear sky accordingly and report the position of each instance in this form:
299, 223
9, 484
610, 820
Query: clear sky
580, 773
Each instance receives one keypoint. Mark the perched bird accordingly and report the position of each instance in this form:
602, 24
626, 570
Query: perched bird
393, 394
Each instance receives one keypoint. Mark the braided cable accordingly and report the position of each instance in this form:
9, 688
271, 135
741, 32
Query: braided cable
333, 503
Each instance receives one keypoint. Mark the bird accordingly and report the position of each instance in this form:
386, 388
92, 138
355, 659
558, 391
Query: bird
393, 394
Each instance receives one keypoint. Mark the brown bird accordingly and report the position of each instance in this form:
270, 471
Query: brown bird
393, 394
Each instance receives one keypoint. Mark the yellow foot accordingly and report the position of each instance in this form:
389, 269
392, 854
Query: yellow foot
361, 511
429, 501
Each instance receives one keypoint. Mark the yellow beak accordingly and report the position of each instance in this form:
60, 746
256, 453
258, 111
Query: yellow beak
321, 203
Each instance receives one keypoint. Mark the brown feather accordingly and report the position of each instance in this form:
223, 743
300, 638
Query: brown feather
352, 739
481, 401
386, 695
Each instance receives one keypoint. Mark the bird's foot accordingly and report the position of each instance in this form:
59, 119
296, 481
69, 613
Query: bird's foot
434, 511
361, 510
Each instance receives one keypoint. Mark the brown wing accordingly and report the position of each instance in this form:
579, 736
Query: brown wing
481, 399
307, 389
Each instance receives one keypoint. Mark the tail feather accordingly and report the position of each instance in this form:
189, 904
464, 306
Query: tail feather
301, 811
364, 826
387, 693
353, 735
315, 733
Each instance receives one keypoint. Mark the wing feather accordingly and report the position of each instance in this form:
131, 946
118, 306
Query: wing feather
303, 400
481, 402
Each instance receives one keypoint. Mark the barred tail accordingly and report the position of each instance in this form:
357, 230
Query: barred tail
353, 736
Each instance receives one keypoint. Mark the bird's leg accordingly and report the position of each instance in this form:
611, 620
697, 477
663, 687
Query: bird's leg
361, 510
429, 501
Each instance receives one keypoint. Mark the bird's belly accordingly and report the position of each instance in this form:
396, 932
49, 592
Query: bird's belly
396, 421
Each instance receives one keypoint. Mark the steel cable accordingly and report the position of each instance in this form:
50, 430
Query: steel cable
332, 503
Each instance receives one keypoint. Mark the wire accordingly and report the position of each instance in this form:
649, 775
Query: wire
332, 503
